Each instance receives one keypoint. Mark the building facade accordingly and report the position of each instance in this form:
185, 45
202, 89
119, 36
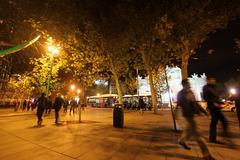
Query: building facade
5, 66
174, 80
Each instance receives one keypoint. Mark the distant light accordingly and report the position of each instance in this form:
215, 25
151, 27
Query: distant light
97, 82
232, 91
62, 96
77, 99
98, 94
78, 91
53, 49
72, 87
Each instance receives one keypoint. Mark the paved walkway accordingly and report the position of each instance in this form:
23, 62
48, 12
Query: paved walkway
147, 137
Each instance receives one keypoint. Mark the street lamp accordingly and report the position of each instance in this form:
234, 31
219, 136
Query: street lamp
53, 50
72, 87
233, 91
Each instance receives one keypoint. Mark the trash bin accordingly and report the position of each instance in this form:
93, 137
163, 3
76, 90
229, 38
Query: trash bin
118, 117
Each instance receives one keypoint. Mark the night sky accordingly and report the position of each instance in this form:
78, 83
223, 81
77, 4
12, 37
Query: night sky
224, 62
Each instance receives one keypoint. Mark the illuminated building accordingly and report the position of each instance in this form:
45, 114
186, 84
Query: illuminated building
174, 81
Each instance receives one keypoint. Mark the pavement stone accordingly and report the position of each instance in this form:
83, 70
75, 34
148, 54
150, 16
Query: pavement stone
149, 136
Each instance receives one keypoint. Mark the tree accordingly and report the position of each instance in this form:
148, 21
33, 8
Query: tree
41, 72
160, 81
109, 21
195, 20
152, 33
21, 86
84, 62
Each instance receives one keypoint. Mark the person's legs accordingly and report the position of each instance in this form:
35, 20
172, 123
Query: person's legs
46, 110
238, 114
224, 124
196, 135
213, 126
39, 115
56, 115
186, 134
203, 147
71, 108
39, 118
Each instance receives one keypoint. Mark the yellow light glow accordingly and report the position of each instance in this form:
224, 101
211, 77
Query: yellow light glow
72, 87
78, 91
53, 49
98, 94
233, 91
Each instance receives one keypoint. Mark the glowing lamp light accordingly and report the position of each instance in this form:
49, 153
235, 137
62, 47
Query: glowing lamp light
78, 91
98, 94
53, 49
232, 91
62, 96
72, 87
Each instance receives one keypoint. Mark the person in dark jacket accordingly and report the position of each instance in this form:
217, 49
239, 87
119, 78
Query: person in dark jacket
73, 105
211, 96
24, 105
65, 105
186, 100
49, 105
141, 105
41, 103
57, 105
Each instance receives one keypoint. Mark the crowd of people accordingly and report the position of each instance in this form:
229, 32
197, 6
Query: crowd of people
46, 104
137, 105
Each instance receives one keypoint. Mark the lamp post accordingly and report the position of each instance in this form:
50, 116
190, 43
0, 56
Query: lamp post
53, 51
72, 87
232, 91
79, 107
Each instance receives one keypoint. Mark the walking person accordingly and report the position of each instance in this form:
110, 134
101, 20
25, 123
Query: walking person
41, 103
73, 104
211, 96
141, 104
57, 105
49, 105
236, 99
186, 100
65, 105
28, 105
24, 105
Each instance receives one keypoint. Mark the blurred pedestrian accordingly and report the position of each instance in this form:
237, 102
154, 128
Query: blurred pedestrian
141, 105
186, 100
49, 105
73, 105
24, 105
236, 99
212, 98
65, 105
28, 105
41, 103
57, 105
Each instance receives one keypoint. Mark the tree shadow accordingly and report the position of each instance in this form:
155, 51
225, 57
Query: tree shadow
37, 126
82, 122
183, 156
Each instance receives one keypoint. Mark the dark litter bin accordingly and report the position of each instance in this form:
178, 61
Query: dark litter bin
118, 117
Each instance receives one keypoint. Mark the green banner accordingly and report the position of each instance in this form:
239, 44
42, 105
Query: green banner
18, 47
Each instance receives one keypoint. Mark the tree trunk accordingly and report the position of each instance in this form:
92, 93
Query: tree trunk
119, 90
117, 84
185, 58
153, 92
